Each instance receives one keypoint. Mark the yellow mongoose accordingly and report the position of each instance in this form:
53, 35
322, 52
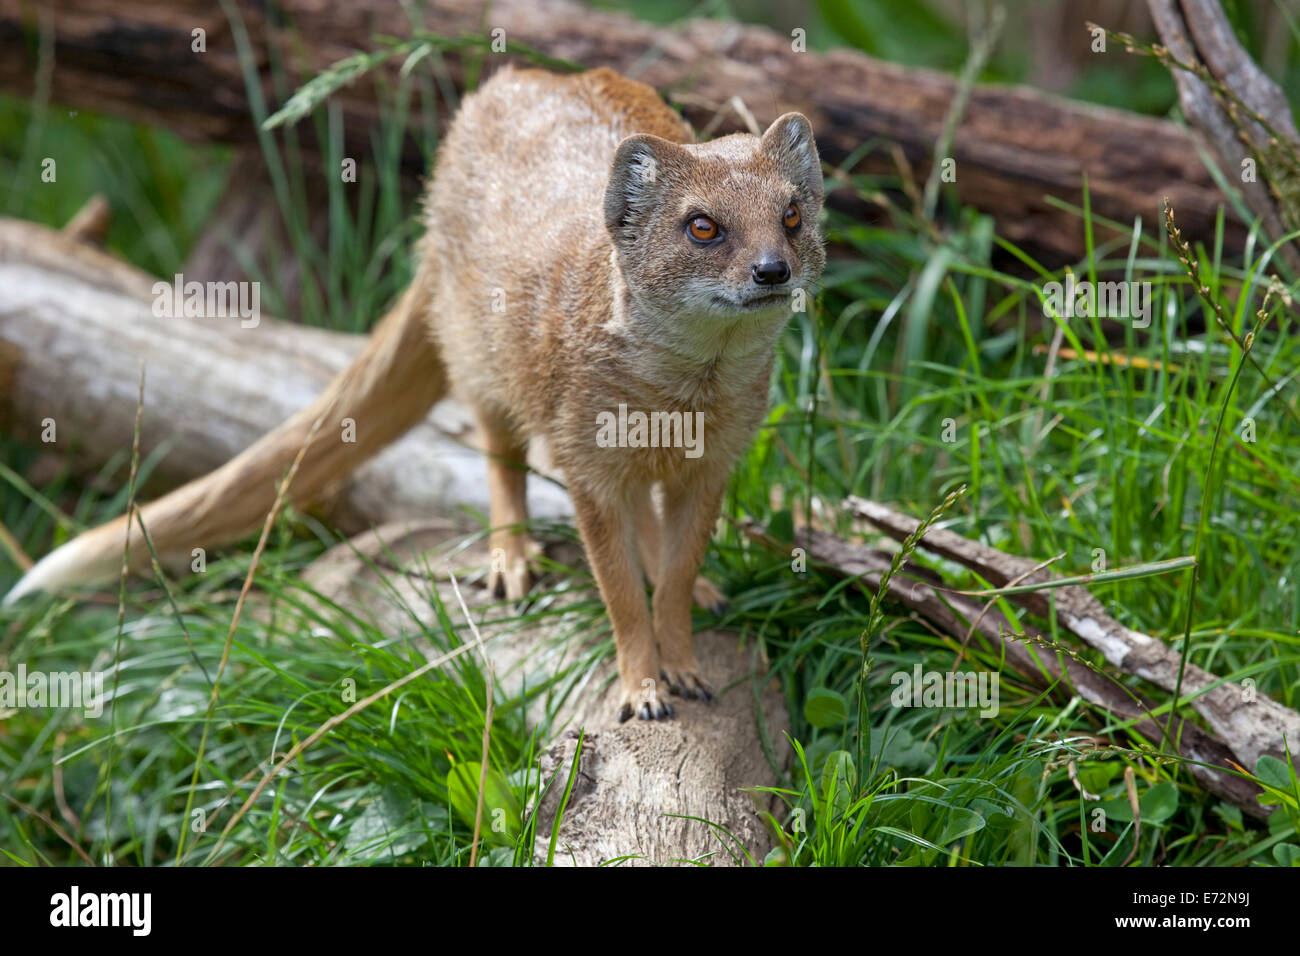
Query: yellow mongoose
584, 263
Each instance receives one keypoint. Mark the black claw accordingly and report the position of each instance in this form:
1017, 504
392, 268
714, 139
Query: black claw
695, 689
658, 710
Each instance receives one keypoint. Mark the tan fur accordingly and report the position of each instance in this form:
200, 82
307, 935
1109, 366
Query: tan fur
558, 282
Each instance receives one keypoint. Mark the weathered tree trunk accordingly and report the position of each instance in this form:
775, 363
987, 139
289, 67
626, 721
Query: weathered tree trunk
76, 324
1198, 34
1013, 148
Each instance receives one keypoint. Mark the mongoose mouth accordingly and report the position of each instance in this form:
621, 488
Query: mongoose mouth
763, 300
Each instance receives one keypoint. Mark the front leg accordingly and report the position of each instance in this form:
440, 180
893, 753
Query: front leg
609, 537
689, 514
649, 529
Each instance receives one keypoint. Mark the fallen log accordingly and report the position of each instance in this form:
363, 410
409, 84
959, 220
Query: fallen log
1251, 724
1243, 725
1014, 147
1030, 653
76, 324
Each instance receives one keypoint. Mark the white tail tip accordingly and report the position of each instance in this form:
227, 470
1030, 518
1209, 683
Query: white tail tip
64, 567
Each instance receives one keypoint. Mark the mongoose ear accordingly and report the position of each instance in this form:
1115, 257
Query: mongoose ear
789, 140
636, 177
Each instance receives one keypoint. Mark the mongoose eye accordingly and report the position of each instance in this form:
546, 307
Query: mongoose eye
703, 229
791, 217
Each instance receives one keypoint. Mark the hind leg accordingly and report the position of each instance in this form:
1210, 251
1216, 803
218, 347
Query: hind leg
507, 487
649, 531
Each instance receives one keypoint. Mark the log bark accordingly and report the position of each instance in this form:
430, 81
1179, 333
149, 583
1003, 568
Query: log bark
1014, 147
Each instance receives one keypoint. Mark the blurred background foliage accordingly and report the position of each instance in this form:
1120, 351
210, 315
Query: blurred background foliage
163, 189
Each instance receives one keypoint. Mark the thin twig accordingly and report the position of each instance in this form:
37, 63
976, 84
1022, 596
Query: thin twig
58, 830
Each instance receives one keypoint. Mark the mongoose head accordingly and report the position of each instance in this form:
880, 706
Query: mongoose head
726, 228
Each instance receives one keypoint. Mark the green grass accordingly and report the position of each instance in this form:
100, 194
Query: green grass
921, 370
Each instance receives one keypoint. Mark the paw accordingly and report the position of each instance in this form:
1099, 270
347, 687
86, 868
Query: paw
510, 577
654, 708
705, 594
685, 682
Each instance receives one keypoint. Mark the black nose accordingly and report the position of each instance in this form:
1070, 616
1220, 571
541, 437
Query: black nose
770, 271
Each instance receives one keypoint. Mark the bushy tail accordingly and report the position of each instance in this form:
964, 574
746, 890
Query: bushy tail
387, 390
